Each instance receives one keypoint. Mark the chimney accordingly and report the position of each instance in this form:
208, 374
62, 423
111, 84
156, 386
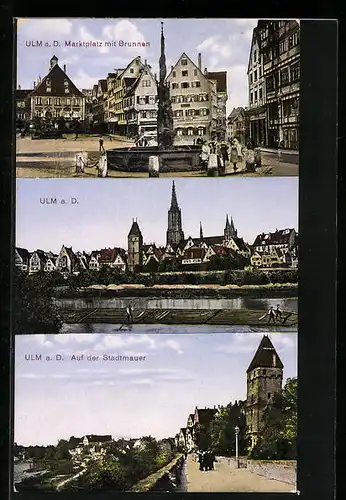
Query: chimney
172, 68
200, 61
64, 68
145, 62
34, 83
205, 71
19, 87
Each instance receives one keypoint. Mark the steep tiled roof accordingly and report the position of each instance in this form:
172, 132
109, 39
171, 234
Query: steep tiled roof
57, 77
265, 356
94, 438
279, 237
22, 94
194, 253
235, 113
24, 253
241, 244
135, 231
221, 80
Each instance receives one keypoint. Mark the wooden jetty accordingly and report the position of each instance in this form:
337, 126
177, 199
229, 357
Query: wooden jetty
177, 317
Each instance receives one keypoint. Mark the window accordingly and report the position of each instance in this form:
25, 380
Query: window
255, 75
284, 76
132, 70
270, 83
196, 84
185, 73
68, 101
49, 101
175, 85
251, 97
255, 95
259, 72
184, 62
174, 74
260, 93
295, 72
146, 83
152, 99
48, 89
67, 91
143, 114
195, 72
185, 85
251, 78
269, 395
190, 131
255, 56
282, 47
153, 114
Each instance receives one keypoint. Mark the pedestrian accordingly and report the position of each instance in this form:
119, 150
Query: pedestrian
224, 153
234, 155
271, 314
131, 312
200, 460
101, 148
205, 152
278, 313
128, 314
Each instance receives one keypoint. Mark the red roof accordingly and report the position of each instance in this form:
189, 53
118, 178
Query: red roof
57, 77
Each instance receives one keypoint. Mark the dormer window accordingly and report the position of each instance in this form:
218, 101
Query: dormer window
132, 70
184, 62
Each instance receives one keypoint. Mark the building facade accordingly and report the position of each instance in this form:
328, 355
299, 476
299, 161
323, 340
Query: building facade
264, 381
219, 125
279, 44
256, 111
56, 99
140, 105
190, 92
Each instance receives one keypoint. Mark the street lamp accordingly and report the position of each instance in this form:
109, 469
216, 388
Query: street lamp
236, 430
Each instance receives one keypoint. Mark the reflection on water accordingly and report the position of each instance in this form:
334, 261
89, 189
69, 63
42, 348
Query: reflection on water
286, 304
169, 329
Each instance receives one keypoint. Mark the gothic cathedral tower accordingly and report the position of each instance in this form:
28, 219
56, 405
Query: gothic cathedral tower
230, 231
134, 247
264, 380
175, 233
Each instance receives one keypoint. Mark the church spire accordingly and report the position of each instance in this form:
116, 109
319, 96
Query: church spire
200, 231
162, 61
174, 202
230, 231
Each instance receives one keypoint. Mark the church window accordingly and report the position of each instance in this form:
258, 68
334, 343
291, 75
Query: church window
184, 62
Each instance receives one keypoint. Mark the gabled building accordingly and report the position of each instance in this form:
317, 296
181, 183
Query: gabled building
152, 253
67, 262
22, 258
264, 381
23, 107
98, 105
140, 105
220, 127
193, 255
37, 261
121, 84
56, 98
285, 239
257, 111
190, 92
238, 125
112, 257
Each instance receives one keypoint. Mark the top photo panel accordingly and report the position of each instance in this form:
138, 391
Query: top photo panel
157, 98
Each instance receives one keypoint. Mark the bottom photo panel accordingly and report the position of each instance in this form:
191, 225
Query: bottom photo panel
175, 412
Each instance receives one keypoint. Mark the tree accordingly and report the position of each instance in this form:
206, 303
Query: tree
222, 429
35, 310
278, 438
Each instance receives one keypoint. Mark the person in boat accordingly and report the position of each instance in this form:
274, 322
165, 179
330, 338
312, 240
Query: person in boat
278, 313
271, 315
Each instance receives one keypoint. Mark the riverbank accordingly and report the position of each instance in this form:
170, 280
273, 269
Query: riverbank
180, 291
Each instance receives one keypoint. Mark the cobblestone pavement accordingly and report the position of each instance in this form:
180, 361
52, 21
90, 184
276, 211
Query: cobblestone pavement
225, 478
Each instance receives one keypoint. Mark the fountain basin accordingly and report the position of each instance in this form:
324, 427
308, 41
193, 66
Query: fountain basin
178, 159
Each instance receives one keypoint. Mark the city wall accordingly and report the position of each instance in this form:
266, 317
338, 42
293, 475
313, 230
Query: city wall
165, 479
279, 470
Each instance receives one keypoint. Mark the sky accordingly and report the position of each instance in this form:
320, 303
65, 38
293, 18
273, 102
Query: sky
103, 216
224, 44
57, 399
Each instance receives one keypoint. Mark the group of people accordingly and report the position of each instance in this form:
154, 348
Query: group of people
230, 152
206, 460
274, 315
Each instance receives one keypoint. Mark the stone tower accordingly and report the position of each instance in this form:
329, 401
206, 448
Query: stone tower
175, 234
134, 247
264, 380
230, 231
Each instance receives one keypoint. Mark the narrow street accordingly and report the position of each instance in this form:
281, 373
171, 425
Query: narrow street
225, 478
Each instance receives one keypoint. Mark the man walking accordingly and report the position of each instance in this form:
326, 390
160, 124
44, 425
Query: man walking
278, 313
271, 315
101, 148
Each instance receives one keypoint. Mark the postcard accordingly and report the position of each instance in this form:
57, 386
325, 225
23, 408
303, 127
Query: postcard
172, 413
137, 98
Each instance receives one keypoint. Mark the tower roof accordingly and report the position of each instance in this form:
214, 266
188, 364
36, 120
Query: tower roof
265, 356
135, 231
174, 201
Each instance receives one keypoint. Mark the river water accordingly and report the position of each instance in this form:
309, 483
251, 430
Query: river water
286, 303
18, 472
107, 328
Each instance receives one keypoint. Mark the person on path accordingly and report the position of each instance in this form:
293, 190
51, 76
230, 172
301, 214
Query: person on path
234, 155
101, 148
129, 318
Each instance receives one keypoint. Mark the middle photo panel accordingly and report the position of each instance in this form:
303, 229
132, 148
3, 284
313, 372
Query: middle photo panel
161, 256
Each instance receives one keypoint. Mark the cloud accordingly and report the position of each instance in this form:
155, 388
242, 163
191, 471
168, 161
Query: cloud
128, 32
46, 28
214, 44
86, 36
174, 345
142, 381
